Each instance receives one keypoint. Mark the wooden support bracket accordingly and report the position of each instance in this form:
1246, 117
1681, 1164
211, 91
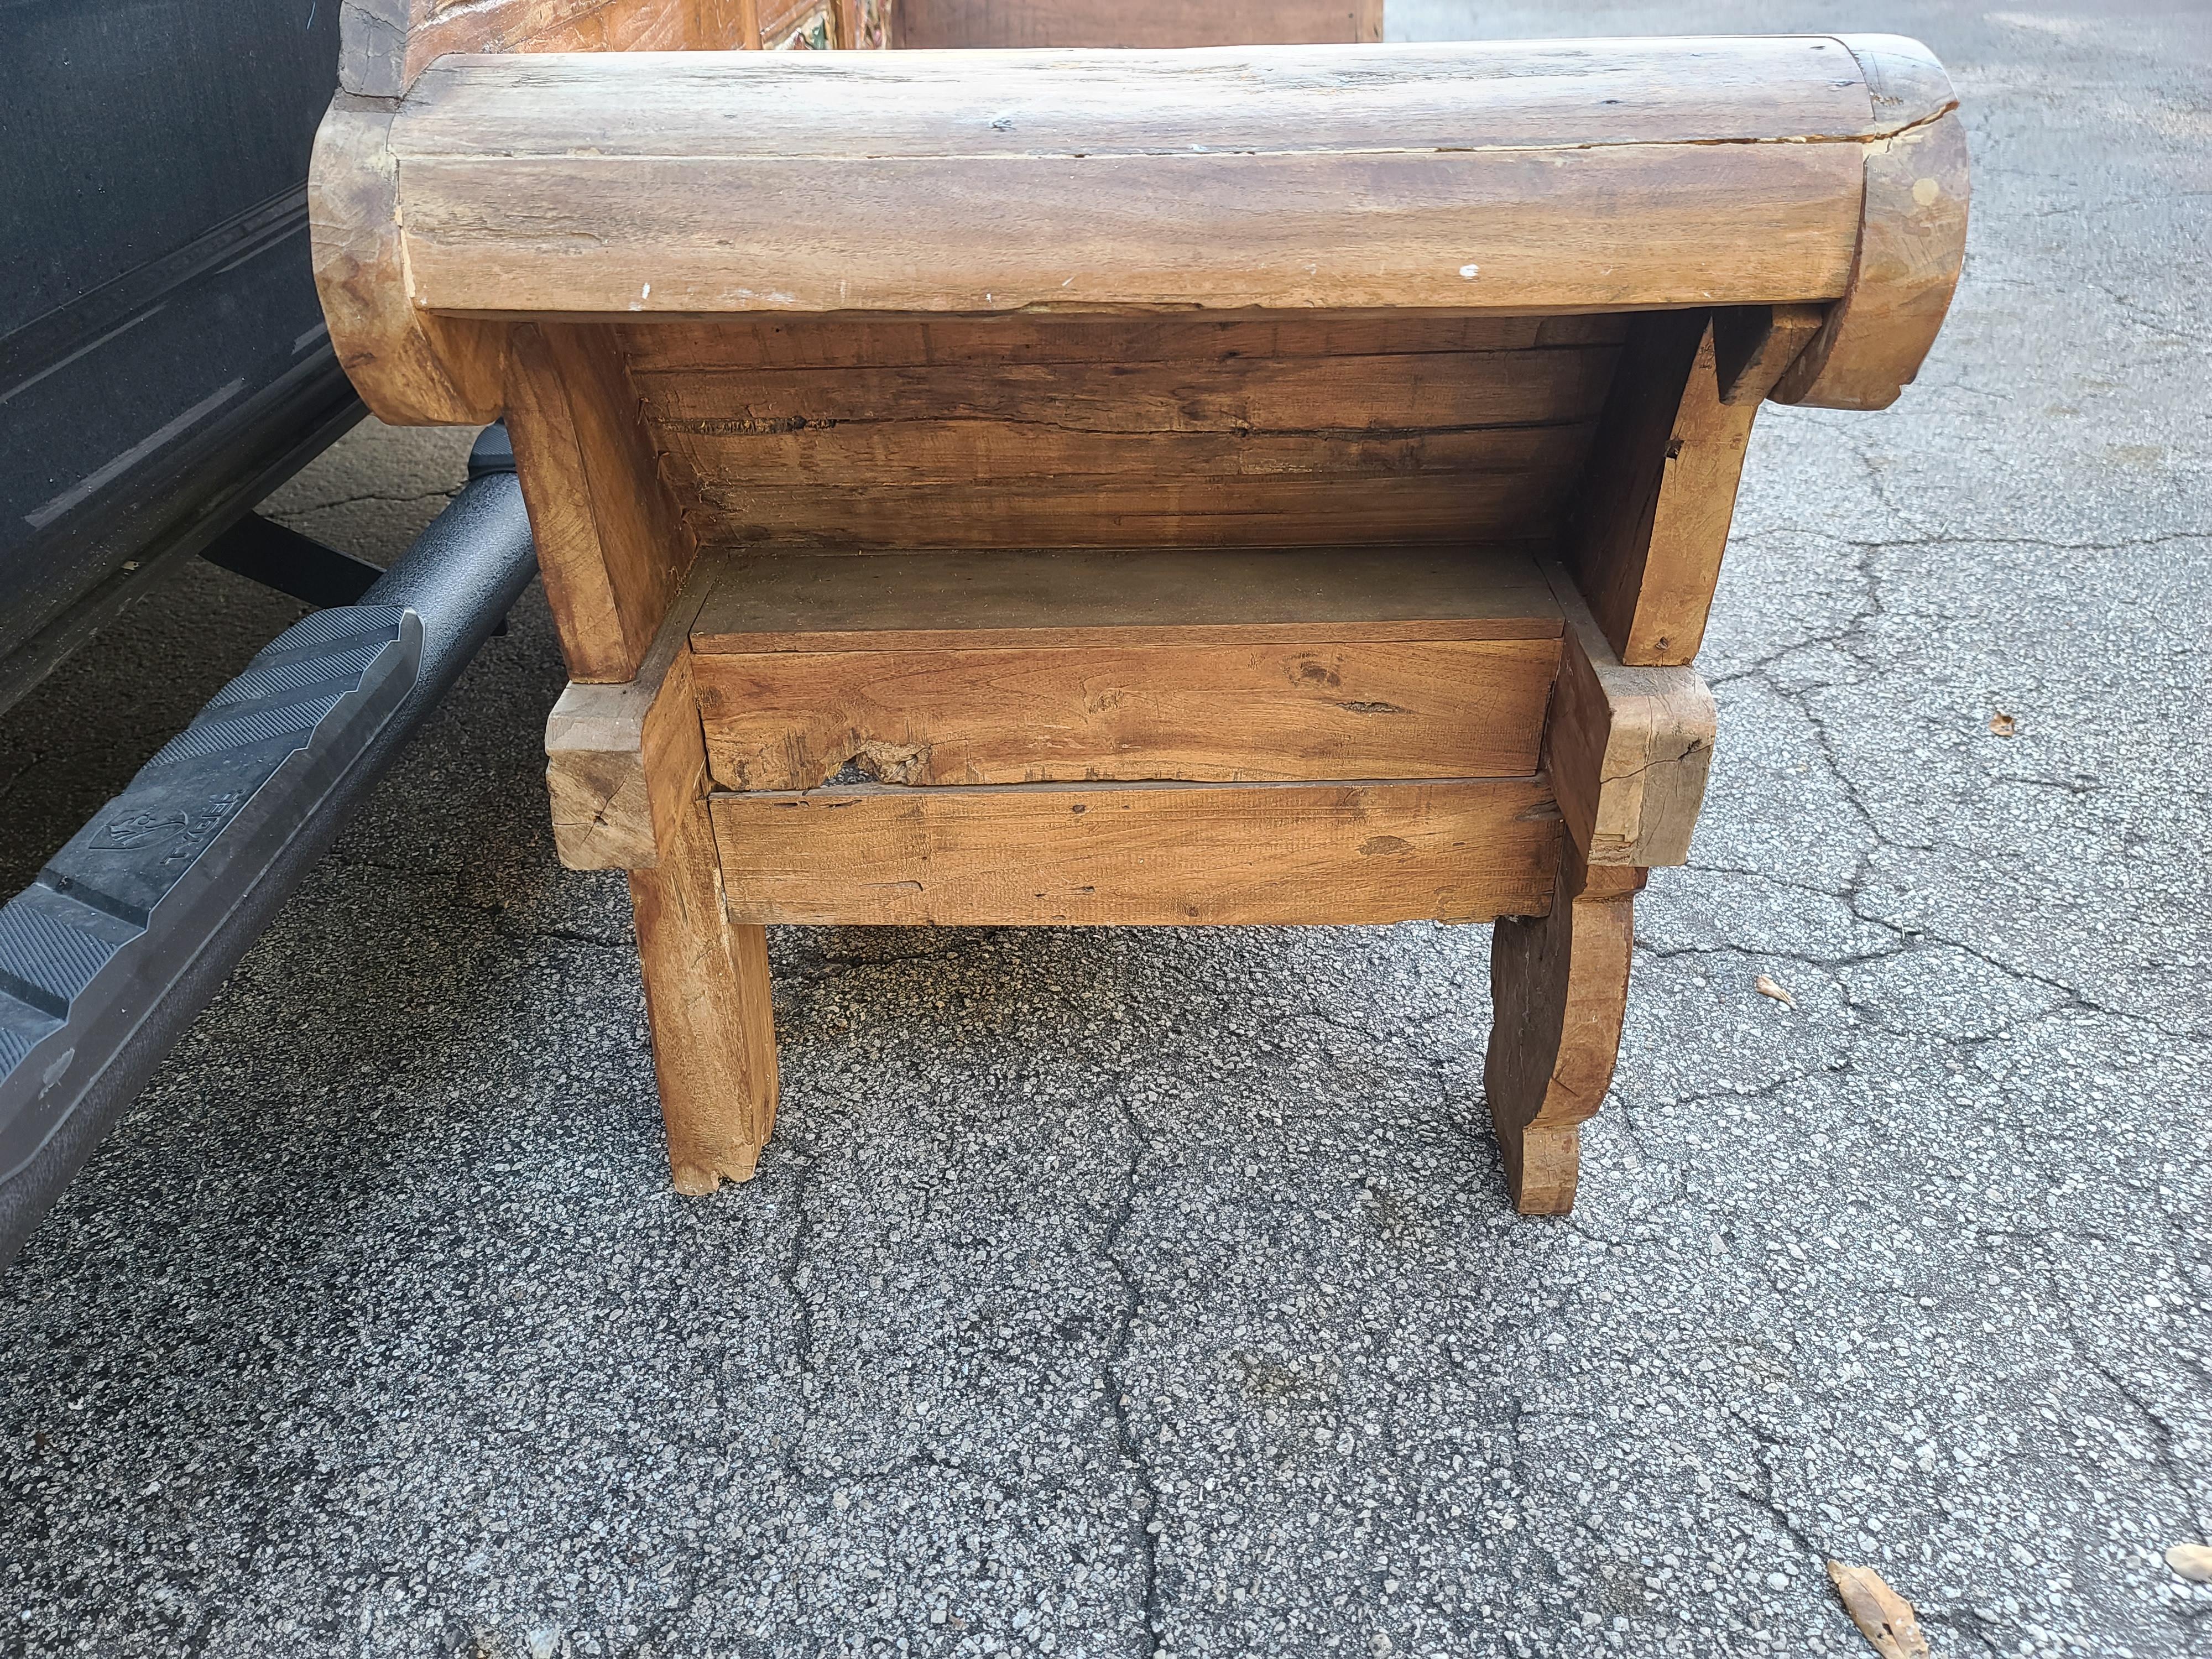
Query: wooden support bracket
614, 754
1628, 749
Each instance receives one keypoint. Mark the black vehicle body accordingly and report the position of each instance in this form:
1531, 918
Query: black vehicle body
163, 361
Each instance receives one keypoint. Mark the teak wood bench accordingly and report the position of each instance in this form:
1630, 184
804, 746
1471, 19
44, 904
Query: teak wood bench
1254, 484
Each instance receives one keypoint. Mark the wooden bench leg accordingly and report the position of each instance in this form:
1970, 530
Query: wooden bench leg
714, 1025
626, 765
1560, 984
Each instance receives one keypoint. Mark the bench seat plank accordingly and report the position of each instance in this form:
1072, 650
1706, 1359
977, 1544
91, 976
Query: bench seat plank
952, 601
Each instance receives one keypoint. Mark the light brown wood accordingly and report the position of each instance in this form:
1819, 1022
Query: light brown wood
609, 771
946, 24
384, 45
663, 348
1448, 508
632, 758
411, 368
1074, 446
1125, 854
1653, 512
1559, 993
1341, 394
788, 720
707, 990
956, 601
1913, 238
1615, 228
1628, 749
1469, 176
1246, 485
1752, 345
611, 543
732, 466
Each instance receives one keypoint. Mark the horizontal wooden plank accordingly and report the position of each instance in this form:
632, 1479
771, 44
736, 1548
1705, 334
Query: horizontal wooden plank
792, 720
945, 25
1458, 389
876, 341
1436, 508
728, 467
502, 233
1137, 855
1329, 101
968, 601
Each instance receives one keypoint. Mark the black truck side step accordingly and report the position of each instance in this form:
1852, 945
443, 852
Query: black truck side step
109, 955
120, 912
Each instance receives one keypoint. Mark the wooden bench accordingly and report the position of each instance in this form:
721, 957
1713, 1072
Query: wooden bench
1241, 485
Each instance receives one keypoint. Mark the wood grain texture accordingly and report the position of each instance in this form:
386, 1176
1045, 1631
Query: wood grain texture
384, 45
1911, 245
683, 348
706, 991
1752, 345
1007, 105
1072, 447
1652, 511
791, 719
1617, 227
962, 601
937, 25
1560, 989
614, 754
1514, 177
411, 368
611, 542
1342, 393
1628, 749
1139, 855
1439, 509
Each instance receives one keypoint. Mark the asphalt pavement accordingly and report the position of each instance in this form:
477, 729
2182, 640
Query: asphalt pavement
1156, 1292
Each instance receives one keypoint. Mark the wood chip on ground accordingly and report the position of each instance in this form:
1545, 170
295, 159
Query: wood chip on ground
1884, 1617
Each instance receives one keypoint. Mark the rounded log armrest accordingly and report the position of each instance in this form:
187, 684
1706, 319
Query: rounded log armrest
1913, 237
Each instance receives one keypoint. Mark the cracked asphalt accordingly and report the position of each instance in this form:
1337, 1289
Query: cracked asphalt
1155, 1292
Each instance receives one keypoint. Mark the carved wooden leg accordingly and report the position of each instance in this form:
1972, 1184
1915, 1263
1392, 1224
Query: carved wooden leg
1559, 984
707, 994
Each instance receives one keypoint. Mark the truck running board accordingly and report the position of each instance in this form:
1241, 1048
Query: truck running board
124, 937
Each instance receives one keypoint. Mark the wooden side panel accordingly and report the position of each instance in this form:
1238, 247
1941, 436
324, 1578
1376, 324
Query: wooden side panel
1505, 491
1283, 392
1061, 443
939, 24
1136, 854
792, 720
610, 542
684, 346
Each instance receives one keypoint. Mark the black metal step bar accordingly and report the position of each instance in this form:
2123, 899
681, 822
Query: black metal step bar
132, 927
